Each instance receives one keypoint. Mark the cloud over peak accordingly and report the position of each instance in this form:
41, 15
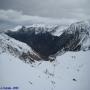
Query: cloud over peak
20, 18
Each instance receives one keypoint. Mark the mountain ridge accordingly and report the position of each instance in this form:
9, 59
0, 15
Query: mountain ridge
47, 45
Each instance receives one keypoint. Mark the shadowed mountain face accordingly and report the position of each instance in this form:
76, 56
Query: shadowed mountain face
43, 43
69, 42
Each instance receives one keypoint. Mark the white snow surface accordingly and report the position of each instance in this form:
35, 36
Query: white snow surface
70, 71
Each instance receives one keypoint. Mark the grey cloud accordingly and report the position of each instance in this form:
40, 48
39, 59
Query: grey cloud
19, 17
11, 18
59, 9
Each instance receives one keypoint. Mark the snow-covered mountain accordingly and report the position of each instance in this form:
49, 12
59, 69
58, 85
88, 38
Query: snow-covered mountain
70, 69
37, 33
76, 37
20, 49
17, 49
45, 42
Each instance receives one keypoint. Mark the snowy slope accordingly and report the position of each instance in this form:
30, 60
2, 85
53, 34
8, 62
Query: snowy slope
69, 72
16, 48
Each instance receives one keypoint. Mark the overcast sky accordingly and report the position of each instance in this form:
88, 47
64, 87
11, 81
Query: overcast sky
56, 9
